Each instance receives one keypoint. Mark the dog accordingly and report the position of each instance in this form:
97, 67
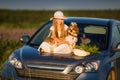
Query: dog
72, 33
50, 46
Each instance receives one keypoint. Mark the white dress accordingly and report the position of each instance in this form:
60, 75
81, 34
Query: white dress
61, 49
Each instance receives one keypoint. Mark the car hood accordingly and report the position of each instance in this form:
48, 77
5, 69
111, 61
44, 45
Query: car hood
30, 54
30, 57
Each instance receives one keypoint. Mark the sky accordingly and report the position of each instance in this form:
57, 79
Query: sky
59, 4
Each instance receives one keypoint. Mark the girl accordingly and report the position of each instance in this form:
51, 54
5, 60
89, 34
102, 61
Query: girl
58, 34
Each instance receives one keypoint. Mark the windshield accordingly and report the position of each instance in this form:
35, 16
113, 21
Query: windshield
41, 34
98, 34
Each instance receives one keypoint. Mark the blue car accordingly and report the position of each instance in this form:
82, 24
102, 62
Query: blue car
28, 63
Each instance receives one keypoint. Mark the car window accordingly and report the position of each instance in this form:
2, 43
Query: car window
95, 29
97, 34
116, 35
118, 27
41, 34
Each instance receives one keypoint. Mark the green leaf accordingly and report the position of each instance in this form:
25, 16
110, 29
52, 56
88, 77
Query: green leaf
92, 49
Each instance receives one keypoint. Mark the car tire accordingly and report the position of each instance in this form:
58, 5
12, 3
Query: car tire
111, 75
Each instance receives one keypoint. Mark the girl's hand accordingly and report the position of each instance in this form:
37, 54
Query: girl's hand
63, 42
66, 42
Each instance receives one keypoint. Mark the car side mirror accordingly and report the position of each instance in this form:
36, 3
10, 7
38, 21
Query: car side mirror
117, 49
25, 38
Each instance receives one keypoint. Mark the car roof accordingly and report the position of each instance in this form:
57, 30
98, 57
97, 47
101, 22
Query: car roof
89, 20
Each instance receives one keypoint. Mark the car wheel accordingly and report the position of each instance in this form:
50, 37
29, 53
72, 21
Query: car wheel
111, 75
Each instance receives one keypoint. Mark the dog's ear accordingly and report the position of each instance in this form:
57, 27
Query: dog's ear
73, 24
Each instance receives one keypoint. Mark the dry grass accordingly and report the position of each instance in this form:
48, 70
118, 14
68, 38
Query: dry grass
14, 34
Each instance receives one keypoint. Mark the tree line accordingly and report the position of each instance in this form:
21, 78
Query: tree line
35, 18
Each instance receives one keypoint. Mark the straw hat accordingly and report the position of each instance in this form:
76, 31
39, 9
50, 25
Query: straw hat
59, 14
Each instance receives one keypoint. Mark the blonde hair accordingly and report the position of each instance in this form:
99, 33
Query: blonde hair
62, 29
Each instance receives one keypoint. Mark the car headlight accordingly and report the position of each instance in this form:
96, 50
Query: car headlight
79, 69
87, 67
15, 62
92, 66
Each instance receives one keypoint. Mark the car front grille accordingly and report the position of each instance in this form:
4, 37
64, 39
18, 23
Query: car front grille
49, 71
35, 73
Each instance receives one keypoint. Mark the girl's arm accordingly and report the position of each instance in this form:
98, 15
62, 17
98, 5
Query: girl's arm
57, 39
